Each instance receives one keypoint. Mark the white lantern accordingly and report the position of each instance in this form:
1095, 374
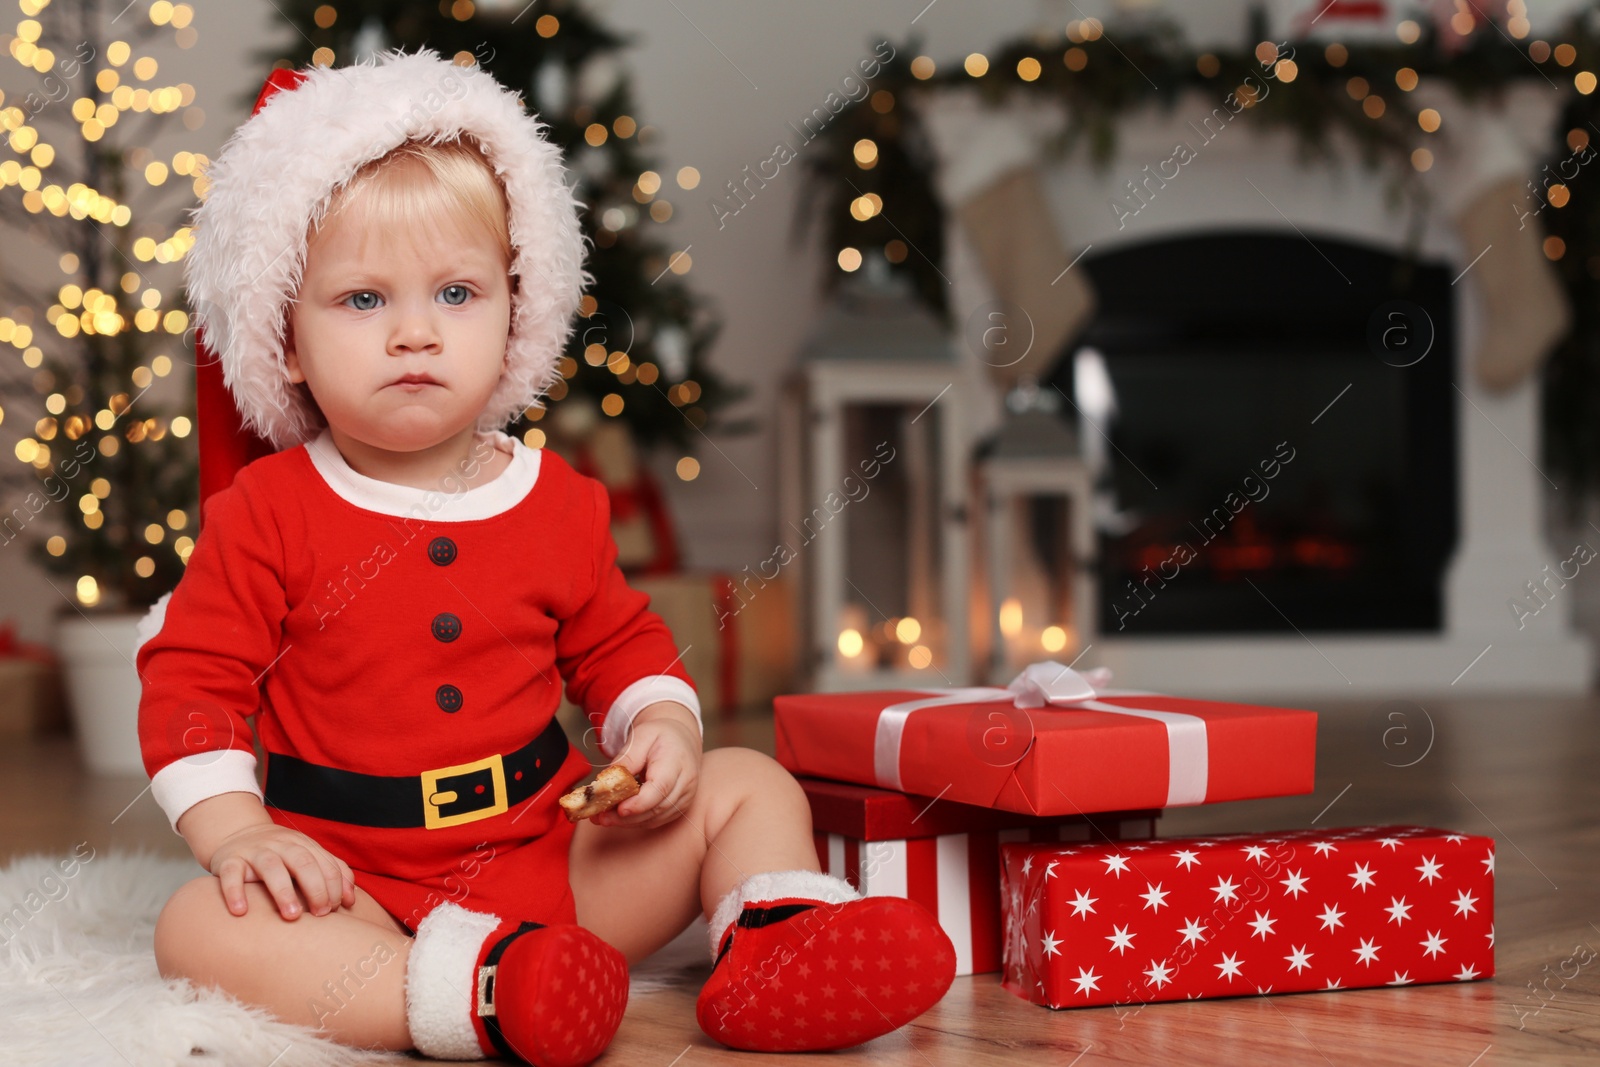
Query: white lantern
1038, 544
873, 463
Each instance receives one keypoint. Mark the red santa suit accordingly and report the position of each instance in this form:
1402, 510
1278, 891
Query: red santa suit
392, 631
402, 651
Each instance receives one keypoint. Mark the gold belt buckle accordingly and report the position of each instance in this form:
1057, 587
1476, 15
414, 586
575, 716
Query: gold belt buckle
432, 798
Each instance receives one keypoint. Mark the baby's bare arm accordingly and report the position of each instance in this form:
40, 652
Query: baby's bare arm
207, 823
234, 838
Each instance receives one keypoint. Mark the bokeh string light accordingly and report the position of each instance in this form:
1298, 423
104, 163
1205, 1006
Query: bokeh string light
93, 341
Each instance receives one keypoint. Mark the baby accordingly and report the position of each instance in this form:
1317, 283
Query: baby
387, 264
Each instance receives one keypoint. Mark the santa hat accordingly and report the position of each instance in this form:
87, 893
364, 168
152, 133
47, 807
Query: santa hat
311, 131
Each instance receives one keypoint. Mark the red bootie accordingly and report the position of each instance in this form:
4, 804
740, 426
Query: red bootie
479, 986
804, 963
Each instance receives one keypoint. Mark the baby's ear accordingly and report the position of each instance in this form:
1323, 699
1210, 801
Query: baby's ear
291, 358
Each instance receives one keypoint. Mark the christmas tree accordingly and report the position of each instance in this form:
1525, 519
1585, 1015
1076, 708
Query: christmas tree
638, 354
107, 480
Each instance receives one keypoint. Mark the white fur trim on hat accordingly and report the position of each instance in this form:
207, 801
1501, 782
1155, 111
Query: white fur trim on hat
776, 885
276, 175
441, 981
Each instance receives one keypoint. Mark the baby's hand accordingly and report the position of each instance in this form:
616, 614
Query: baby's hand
663, 751
277, 857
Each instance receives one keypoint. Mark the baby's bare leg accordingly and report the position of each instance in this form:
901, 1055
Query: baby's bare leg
343, 972
638, 888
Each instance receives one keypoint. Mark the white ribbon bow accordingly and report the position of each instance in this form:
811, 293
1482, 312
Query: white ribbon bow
1043, 684
1051, 685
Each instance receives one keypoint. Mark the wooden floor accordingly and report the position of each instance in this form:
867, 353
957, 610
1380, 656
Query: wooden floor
1526, 772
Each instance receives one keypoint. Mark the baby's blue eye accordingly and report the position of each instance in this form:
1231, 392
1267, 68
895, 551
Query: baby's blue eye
358, 296
463, 290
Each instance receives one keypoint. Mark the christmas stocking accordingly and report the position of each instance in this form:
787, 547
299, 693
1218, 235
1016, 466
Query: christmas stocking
1525, 310
802, 962
479, 986
1009, 225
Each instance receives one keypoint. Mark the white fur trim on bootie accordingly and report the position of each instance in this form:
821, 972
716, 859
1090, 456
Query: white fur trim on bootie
441, 983
776, 885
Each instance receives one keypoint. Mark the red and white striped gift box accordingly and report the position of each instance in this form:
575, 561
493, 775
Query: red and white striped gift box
955, 875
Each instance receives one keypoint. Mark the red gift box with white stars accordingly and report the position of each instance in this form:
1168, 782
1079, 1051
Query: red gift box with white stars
1244, 914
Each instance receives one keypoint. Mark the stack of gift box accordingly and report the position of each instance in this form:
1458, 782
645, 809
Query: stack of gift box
1024, 819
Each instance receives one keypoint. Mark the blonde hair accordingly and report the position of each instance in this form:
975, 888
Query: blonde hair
419, 180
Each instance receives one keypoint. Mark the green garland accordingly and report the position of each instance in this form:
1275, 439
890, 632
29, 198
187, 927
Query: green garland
1147, 63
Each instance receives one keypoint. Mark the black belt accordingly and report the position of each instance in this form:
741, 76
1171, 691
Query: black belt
444, 796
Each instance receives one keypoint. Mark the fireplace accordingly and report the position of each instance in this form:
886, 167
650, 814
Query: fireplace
1389, 572
1265, 458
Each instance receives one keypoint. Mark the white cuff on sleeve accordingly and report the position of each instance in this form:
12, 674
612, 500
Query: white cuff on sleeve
183, 783
637, 697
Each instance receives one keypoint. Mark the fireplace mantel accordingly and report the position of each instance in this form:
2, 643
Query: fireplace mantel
1246, 176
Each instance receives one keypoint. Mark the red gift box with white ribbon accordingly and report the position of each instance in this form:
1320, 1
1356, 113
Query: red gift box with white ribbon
1053, 742
1246, 914
941, 854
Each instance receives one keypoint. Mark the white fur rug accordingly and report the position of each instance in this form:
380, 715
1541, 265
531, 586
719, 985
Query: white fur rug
79, 984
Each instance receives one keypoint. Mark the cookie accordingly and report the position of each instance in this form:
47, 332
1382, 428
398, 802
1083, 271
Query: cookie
611, 787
